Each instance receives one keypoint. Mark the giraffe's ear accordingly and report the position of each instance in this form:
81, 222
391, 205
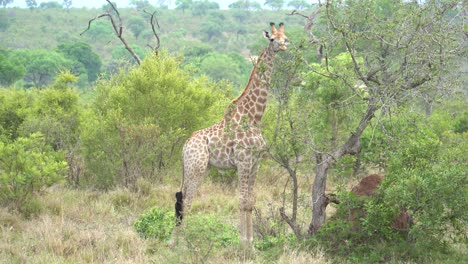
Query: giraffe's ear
267, 35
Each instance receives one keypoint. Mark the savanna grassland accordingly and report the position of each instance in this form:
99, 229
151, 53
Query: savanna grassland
91, 141
85, 226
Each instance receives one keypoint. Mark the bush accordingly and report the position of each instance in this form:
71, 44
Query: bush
461, 124
210, 231
269, 242
27, 166
140, 119
156, 223
31, 208
204, 231
423, 177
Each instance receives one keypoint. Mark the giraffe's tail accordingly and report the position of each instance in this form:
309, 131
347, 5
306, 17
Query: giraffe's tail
178, 207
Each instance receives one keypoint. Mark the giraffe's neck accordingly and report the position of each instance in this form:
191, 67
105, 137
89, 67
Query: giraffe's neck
250, 105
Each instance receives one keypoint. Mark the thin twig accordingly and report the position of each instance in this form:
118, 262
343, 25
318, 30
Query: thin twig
117, 29
153, 19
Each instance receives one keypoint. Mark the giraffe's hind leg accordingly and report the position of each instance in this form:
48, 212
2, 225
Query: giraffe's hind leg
195, 162
195, 165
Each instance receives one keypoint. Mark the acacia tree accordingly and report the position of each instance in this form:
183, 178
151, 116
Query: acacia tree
140, 4
275, 4
41, 66
10, 69
396, 51
67, 3
245, 5
183, 4
4, 3
299, 4
31, 4
84, 59
136, 25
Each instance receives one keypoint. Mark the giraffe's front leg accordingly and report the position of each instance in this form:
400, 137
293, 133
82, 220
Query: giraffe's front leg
247, 173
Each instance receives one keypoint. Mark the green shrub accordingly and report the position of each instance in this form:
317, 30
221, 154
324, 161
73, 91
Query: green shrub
198, 230
269, 242
427, 176
27, 166
461, 124
140, 118
155, 223
209, 230
31, 208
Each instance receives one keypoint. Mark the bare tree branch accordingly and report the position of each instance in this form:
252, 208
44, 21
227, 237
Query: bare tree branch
153, 21
118, 28
308, 28
291, 222
91, 21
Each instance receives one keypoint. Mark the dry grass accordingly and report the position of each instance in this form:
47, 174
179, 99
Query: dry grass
302, 257
84, 226
76, 226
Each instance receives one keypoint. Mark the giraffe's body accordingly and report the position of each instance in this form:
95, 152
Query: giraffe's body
236, 141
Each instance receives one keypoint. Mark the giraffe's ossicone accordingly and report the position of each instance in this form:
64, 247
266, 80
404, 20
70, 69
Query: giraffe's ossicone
236, 141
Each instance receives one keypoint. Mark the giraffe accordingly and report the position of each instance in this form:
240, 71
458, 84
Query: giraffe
234, 142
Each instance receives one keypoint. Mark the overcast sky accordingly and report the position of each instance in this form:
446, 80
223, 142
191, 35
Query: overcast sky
120, 3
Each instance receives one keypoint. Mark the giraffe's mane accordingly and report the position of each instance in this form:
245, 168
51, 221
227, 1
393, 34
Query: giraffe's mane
250, 78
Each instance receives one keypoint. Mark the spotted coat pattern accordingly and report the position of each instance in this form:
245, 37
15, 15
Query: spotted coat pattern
236, 141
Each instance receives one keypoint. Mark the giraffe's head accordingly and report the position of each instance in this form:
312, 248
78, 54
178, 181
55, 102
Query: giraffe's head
277, 38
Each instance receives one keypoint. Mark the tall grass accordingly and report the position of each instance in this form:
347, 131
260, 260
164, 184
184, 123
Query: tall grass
86, 226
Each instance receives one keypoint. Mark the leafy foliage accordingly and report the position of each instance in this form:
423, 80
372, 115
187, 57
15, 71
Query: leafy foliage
136, 25
13, 105
275, 4
461, 125
134, 123
85, 60
42, 66
200, 8
140, 118
199, 230
155, 223
10, 69
209, 231
231, 67
299, 4
424, 171
4, 3
52, 112
120, 53
28, 165
335, 103
51, 5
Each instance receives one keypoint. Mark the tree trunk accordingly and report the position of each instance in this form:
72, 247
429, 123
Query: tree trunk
351, 147
292, 221
318, 193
